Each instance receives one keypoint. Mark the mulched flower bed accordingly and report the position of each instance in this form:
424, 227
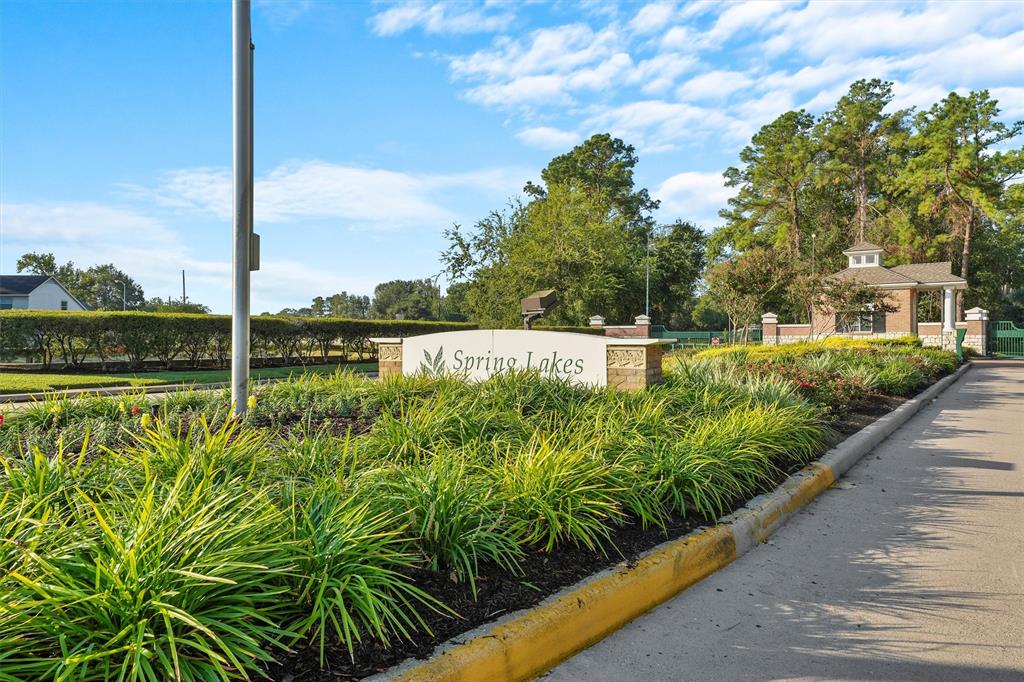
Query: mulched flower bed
500, 593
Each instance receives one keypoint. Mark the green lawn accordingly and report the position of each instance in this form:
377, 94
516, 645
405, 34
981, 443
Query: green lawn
22, 382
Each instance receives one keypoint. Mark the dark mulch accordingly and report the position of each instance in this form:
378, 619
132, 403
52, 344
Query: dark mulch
866, 413
500, 593
339, 424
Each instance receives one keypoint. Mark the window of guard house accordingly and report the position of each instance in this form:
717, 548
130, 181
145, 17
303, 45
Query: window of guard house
865, 322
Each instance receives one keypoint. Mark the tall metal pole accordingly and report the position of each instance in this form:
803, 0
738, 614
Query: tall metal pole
124, 296
647, 287
184, 299
241, 93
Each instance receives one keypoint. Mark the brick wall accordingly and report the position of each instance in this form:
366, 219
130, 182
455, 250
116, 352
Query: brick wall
901, 320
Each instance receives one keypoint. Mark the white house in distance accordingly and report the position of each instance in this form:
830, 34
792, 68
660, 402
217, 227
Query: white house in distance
36, 292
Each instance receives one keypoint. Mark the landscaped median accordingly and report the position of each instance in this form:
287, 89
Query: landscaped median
346, 524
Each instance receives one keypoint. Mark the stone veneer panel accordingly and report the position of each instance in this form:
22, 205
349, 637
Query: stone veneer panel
634, 368
389, 356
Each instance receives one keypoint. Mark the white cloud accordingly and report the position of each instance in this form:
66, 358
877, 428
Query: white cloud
545, 68
652, 17
439, 18
741, 17
544, 137
659, 73
1011, 101
364, 197
656, 125
80, 222
714, 85
693, 196
834, 29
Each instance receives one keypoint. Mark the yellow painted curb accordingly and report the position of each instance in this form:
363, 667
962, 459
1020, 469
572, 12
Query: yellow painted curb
539, 639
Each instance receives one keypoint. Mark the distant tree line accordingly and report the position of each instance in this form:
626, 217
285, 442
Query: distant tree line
930, 185
399, 299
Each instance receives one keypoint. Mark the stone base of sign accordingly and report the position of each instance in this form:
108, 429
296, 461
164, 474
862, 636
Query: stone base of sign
389, 356
634, 368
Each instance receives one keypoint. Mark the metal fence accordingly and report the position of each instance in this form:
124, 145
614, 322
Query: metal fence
698, 339
1006, 339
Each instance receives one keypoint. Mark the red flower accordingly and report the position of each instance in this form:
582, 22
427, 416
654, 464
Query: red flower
1, 420
136, 409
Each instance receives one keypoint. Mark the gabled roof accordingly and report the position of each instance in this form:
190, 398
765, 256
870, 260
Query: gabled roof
20, 285
863, 246
929, 273
874, 275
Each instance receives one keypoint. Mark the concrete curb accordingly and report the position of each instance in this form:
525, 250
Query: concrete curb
525, 644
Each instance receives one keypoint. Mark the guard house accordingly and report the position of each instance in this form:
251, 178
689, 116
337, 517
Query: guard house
904, 284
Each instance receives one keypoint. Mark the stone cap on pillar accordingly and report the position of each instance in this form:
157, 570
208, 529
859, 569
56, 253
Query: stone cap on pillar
769, 318
976, 314
596, 321
643, 325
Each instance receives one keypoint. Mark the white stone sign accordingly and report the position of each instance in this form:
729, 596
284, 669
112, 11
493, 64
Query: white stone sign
479, 354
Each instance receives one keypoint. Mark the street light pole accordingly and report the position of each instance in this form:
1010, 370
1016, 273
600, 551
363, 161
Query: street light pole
647, 287
241, 93
124, 296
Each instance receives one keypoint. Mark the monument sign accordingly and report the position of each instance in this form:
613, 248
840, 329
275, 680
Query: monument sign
585, 359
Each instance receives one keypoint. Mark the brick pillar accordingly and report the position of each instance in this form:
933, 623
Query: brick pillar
597, 321
643, 326
770, 329
634, 368
977, 330
389, 356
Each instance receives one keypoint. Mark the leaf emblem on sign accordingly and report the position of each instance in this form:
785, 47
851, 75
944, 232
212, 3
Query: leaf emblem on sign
433, 365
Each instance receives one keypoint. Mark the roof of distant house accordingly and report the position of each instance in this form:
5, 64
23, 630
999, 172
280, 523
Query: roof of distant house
874, 274
929, 273
911, 274
20, 285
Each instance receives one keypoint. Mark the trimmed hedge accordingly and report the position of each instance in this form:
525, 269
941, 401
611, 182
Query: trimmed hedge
73, 336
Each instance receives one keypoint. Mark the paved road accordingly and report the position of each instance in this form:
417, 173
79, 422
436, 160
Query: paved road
910, 568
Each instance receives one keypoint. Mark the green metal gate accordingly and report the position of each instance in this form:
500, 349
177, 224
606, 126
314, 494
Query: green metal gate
1006, 339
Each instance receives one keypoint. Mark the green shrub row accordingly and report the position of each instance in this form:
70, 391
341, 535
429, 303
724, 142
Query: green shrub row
73, 337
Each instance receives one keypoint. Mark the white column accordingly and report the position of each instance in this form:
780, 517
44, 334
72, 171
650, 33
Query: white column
948, 309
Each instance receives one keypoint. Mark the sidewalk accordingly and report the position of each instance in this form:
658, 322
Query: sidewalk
909, 568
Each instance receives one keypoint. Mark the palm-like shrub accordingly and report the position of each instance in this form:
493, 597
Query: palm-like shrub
455, 519
558, 495
348, 573
168, 583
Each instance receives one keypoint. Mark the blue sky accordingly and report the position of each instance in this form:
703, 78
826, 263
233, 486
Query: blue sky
379, 124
